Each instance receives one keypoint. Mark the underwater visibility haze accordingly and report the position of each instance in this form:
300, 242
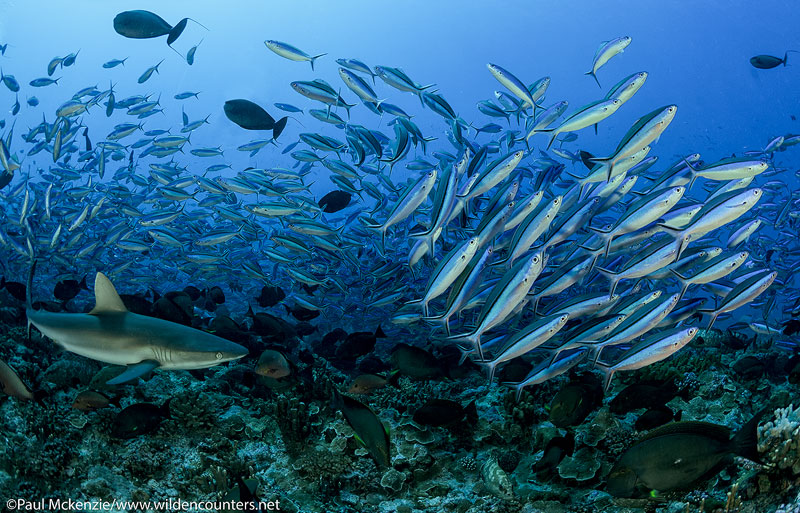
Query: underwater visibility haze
409, 257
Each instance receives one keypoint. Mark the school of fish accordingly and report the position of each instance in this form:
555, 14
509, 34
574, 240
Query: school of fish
508, 241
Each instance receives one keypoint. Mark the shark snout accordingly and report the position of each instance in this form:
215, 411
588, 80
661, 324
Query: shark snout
231, 351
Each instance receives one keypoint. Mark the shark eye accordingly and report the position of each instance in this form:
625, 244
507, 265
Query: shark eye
219, 355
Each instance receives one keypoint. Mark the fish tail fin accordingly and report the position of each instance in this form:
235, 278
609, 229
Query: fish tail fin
552, 139
490, 366
712, 313
612, 276
465, 352
431, 246
608, 373
684, 282
315, 58
745, 441
518, 388
594, 76
419, 95
471, 337
499, 262
471, 411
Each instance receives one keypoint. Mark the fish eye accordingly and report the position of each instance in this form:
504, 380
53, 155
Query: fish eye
219, 355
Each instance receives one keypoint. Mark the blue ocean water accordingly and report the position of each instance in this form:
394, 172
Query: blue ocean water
697, 57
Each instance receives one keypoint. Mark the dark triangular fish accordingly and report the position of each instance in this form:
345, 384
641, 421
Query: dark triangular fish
68, 289
216, 294
334, 201
194, 292
139, 419
248, 115
301, 313
444, 412
415, 362
575, 401
16, 289
5, 178
270, 296
791, 327
310, 289
140, 25
655, 417
558, 448
358, 344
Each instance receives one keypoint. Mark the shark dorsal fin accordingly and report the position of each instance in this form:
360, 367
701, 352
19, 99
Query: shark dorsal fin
106, 298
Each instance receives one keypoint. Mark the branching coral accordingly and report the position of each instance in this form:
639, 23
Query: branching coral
779, 439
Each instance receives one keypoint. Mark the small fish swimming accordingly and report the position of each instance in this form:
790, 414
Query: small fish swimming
290, 52
43, 82
113, 63
145, 76
605, 52
769, 61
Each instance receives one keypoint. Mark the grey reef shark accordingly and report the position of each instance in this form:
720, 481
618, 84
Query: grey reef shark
110, 333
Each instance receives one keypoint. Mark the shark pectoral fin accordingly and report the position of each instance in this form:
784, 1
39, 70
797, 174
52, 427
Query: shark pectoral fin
106, 298
134, 371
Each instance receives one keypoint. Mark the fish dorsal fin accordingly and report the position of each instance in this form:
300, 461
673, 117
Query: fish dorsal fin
713, 431
106, 299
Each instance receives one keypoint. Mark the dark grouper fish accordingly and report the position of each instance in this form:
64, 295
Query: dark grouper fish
141, 25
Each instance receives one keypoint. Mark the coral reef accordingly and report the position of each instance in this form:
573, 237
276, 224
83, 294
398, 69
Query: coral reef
294, 446
779, 439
